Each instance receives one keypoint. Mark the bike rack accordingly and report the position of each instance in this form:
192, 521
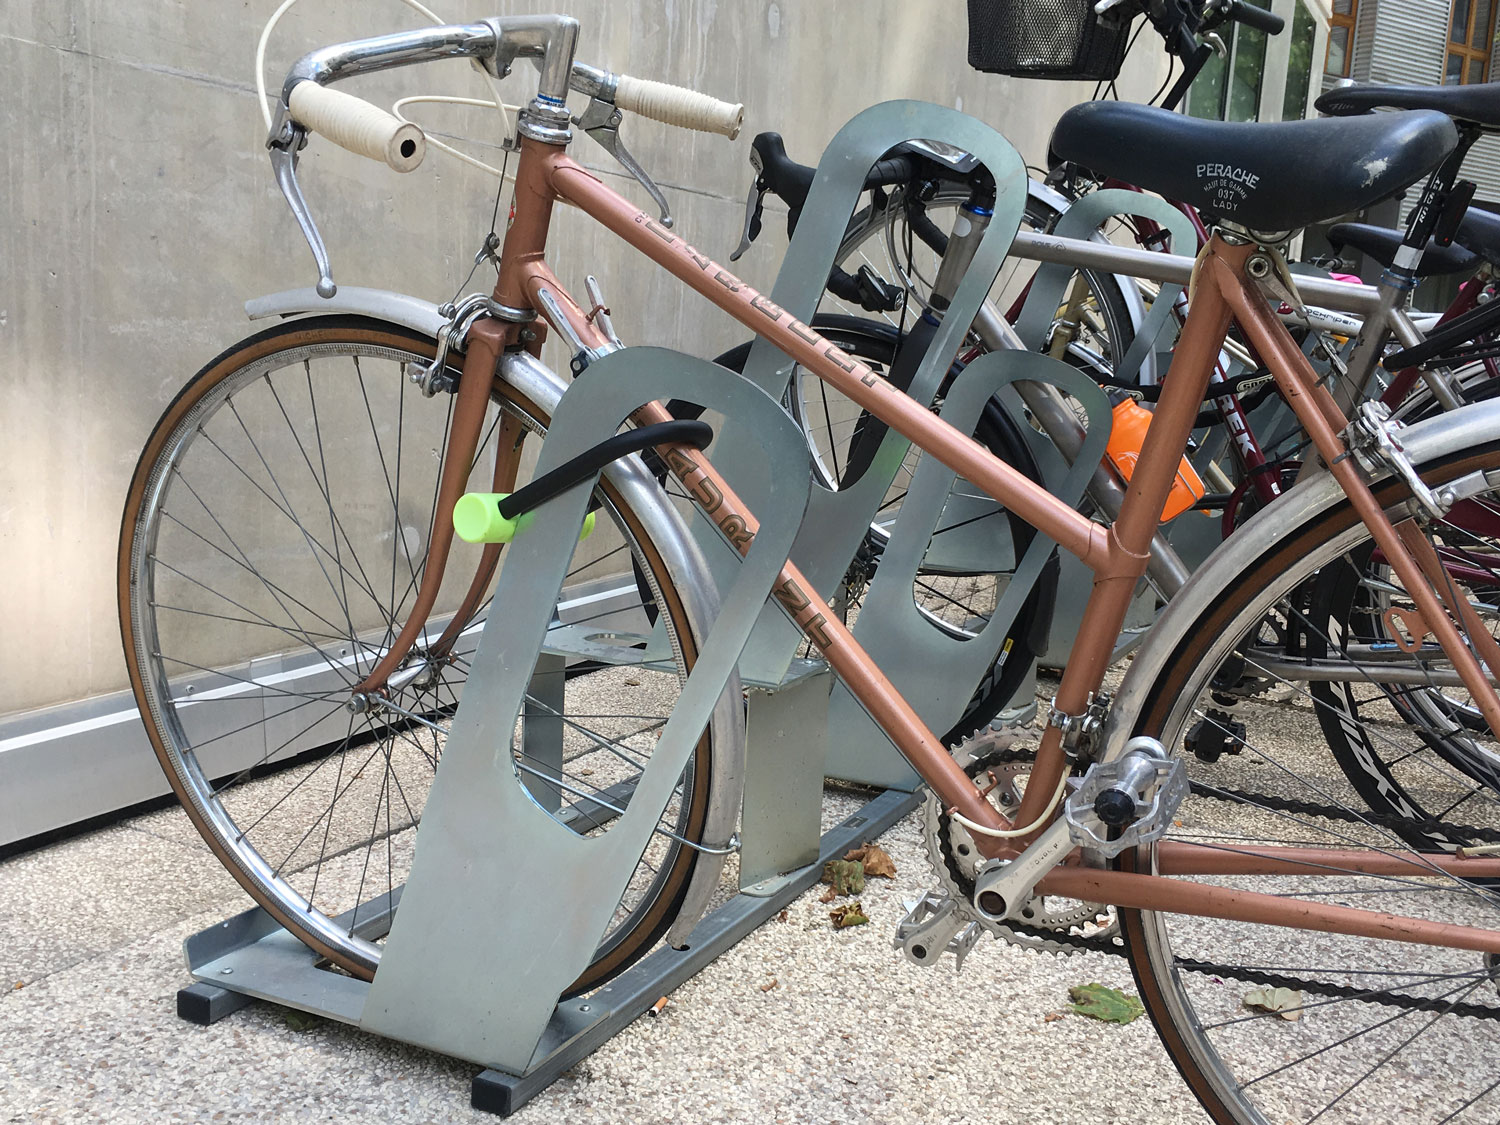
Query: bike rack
486, 841
250, 956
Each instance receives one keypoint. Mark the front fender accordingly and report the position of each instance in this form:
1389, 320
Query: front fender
398, 308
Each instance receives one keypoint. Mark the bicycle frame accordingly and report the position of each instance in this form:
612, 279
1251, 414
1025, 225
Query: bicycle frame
1118, 554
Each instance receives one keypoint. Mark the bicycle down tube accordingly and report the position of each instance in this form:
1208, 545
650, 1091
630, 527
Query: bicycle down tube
1116, 554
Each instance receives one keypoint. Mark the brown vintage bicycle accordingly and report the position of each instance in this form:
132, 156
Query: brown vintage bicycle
298, 619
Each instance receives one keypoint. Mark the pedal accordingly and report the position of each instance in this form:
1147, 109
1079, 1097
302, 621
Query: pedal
1216, 734
933, 926
1138, 793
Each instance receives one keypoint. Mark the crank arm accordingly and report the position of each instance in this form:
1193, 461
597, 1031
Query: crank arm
1003, 887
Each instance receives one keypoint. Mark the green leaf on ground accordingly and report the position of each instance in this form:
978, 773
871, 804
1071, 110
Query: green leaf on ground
846, 916
1102, 1003
1284, 1002
301, 1021
846, 875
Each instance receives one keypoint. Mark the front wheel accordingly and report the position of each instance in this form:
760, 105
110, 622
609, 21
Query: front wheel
274, 539
1380, 1029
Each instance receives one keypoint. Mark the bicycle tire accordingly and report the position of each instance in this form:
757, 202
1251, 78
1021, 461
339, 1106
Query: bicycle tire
311, 415
1450, 777
1195, 974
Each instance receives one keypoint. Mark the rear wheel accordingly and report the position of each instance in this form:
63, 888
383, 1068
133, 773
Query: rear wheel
273, 542
1384, 1029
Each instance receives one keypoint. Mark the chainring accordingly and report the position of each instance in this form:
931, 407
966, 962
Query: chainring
1003, 758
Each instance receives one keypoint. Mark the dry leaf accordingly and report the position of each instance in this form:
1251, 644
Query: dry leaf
846, 916
875, 860
782, 917
770, 984
1052, 1017
829, 895
1284, 1002
632, 683
20, 984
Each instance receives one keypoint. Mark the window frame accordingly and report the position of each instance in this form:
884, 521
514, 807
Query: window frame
1347, 21
1476, 45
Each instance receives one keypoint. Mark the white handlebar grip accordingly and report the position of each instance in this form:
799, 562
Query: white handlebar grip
355, 124
677, 105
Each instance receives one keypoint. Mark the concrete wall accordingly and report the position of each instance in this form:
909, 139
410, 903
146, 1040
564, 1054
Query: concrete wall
139, 214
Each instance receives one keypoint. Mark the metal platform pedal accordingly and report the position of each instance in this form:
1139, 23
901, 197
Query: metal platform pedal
1137, 794
934, 925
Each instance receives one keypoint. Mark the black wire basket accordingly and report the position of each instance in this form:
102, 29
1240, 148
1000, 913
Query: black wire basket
1058, 39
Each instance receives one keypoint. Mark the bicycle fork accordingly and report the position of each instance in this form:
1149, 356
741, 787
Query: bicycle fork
485, 342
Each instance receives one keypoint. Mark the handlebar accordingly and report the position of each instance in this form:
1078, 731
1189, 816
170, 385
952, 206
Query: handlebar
307, 105
356, 125
1181, 22
677, 105
1258, 18
367, 130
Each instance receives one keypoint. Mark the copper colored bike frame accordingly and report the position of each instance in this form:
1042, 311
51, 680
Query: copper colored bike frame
1117, 555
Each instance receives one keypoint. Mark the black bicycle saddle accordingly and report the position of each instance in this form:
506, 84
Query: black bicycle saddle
1276, 176
1381, 243
1478, 104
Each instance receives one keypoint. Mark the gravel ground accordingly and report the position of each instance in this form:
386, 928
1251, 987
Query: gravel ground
797, 1023
92, 928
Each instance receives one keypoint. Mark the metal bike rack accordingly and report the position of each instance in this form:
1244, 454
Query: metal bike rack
249, 957
486, 842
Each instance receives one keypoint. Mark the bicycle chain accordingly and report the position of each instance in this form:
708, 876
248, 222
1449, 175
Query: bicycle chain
1348, 816
1052, 940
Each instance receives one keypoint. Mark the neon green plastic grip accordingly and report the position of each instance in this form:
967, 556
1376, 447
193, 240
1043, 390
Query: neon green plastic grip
477, 519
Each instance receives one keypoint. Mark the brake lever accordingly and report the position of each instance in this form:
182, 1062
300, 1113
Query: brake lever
284, 146
754, 208
601, 121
